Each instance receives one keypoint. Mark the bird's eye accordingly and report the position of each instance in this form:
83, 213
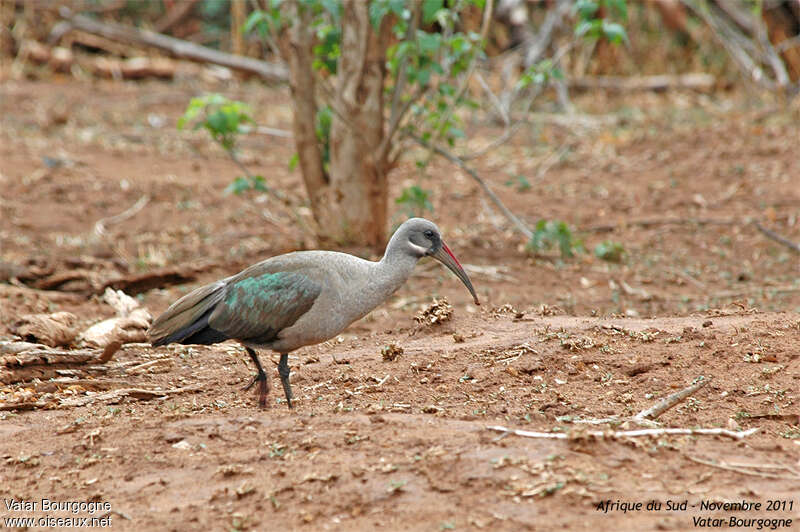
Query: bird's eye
428, 234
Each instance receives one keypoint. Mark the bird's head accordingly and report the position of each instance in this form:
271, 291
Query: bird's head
421, 238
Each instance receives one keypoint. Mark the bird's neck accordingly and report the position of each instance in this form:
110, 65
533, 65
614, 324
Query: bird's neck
394, 269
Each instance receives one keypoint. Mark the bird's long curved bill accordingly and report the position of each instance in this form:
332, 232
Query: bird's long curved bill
446, 257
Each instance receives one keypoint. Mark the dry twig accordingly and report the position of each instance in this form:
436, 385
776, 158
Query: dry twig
668, 402
777, 238
745, 469
100, 225
627, 433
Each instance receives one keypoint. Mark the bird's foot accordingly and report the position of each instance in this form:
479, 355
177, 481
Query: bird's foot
283, 371
263, 388
252, 382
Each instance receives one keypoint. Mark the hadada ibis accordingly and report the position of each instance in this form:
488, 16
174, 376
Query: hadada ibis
299, 299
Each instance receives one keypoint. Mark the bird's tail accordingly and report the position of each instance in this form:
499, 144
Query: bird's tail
186, 320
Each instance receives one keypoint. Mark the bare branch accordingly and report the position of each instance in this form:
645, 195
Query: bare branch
100, 225
748, 470
177, 47
535, 49
787, 44
628, 433
517, 222
693, 80
494, 100
670, 401
777, 238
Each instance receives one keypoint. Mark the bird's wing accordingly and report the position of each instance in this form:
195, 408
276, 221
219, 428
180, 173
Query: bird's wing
172, 324
258, 306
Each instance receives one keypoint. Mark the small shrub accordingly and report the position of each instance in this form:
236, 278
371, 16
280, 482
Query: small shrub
550, 233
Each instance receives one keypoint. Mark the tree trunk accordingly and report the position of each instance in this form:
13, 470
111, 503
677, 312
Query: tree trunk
298, 52
358, 177
349, 200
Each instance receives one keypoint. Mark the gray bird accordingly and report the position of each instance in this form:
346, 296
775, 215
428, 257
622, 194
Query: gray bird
299, 299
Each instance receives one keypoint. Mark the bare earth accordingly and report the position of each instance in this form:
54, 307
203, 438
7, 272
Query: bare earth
405, 444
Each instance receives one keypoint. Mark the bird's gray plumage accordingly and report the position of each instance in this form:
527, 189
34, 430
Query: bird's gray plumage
300, 298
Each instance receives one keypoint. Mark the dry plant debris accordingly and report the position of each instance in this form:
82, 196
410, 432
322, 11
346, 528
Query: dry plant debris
55, 330
437, 312
390, 352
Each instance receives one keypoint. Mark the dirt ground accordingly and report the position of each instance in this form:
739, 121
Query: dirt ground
405, 444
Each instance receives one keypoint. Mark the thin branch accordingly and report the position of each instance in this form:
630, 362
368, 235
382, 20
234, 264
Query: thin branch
777, 238
487, 17
517, 222
494, 100
100, 225
265, 130
787, 43
174, 16
499, 141
627, 433
397, 112
743, 470
552, 21
670, 401
726, 36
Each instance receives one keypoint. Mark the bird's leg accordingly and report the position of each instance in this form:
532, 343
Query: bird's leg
283, 371
261, 378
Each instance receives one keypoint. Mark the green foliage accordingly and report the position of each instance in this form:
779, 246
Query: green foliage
266, 22
323, 130
539, 74
414, 201
421, 64
245, 183
429, 62
610, 251
591, 26
520, 182
550, 233
224, 119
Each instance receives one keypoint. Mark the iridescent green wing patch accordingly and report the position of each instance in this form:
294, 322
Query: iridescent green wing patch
257, 308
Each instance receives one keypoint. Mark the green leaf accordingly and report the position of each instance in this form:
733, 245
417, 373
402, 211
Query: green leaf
424, 76
256, 19
380, 8
415, 200
619, 8
586, 8
217, 122
259, 183
334, 7
430, 8
614, 32
293, 161
588, 28
239, 185
429, 43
